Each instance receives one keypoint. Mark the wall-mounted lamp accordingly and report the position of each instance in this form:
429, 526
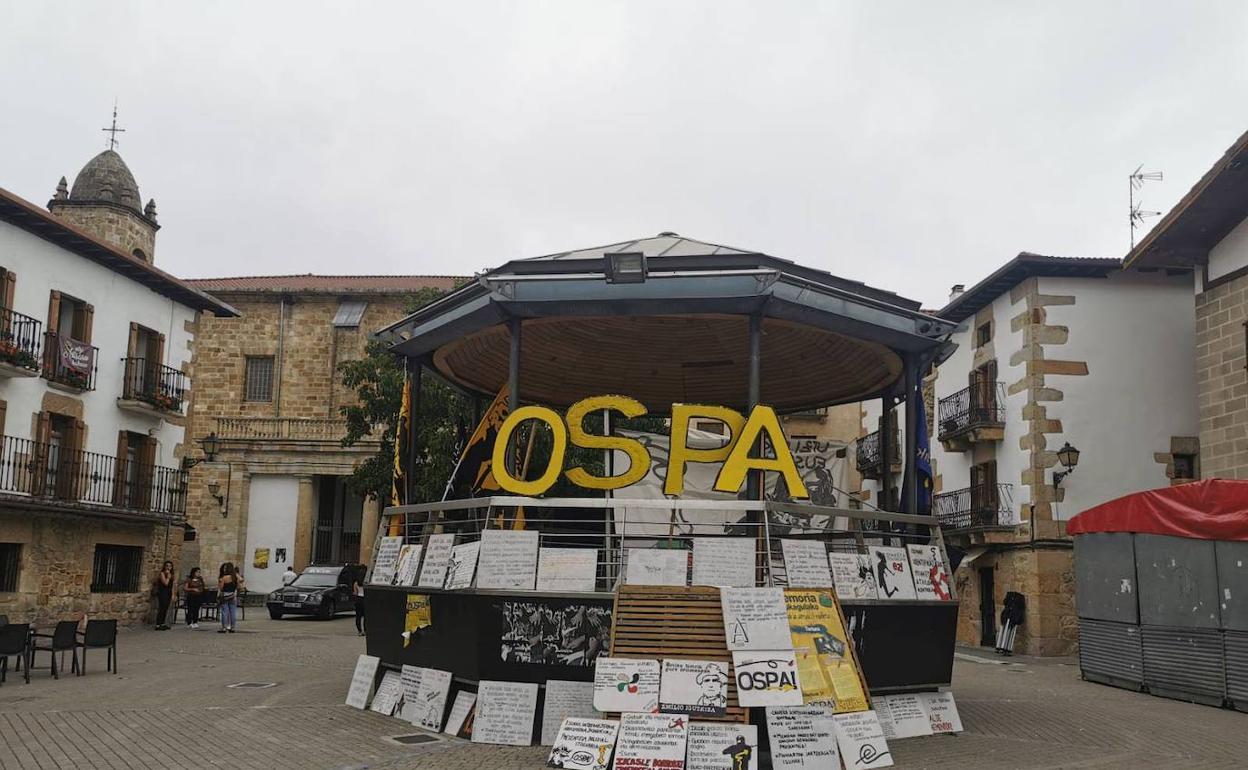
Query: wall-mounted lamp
626, 267
1068, 456
214, 489
211, 445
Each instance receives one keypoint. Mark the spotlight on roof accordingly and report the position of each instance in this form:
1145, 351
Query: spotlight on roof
626, 267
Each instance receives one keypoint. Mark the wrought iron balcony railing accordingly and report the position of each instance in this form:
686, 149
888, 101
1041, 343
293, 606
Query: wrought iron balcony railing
281, 428
972, 407
985, 505
868, 454
21, 340
154, 383
69, 361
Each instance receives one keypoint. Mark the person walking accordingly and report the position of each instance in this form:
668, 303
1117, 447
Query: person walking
229, 583
162, 588
289, 575
357, 596
193, 589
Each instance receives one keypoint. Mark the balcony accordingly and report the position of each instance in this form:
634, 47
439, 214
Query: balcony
868, 456
819, 413
152, 389
978, 507
972, 415
54, 476
21, 341
281, 429
68, 363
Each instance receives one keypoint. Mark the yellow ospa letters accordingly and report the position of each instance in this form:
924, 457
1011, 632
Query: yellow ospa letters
638, 457
502, 473
681, 454
762, 420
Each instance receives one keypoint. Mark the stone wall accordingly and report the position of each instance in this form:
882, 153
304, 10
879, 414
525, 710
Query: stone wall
116, 225
1222, 380
1045, 576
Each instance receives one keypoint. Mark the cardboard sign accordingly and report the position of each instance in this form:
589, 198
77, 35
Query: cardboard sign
657, 567
425, 710
651, 741
861, 740
462, 566
931, 578
388, 694
694, 687
802, 738
566, 699
806, 563
505, 712
902, 716
567, 569
460, 709
583, 744
825, 661
626, 684
722, 747
766, 678
387, 558
942, 712
755, 619
852, 576
362, 681
437, 559
723, 561
508, 560
409, 564
892, 572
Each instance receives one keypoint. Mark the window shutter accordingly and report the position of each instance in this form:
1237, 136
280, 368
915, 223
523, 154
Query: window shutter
88, 321
132, 347
120, 471
54, 312
10, 282
146, 474
4, 409
159, 356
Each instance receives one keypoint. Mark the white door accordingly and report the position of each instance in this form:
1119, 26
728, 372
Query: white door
271, 511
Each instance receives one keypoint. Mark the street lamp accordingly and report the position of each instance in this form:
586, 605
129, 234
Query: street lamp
1068, 456
211, 445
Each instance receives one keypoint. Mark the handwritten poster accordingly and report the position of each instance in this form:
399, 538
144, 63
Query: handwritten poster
651, 741
902, 716
802, 738
626, 684
723, 561
657, 567
460, 709
694, 687
430, 701
566, 699
583, 744
852, 576
462, 566
362, 681
861, 740
437, 559
409, 683
508, 559
892, 572
755, 619
806, 563
942, 712
766, 678
931, 578
505, 712
825, 661
567, 569
388, 694
722, 747
387, 558
409, 564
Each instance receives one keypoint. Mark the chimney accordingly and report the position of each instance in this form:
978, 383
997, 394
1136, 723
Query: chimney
957, 291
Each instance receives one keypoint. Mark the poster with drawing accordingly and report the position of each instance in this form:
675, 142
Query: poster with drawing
802, 738
766, 678
362, 681
755, 619
505, 712
722, 747
825, 660
508, 560
626, 684
437, 559
462, 566
430, 702
931, 577
388, 694
806, 563
698, 688
657, 567
565, 699
409, 683
651, 741
583, 744
942, 712
852, 577
387, 558
567, 569
892, 572
460, 709
902, 716
861, 740
723, 561
409, 564
553, 632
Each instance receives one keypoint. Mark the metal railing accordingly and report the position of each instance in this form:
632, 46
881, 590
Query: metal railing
154, 383
868, 453
278, 428
21, 340
975, 406
69, 361
52, 472
986, 505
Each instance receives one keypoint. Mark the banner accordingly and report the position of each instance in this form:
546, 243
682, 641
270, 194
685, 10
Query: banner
473, 473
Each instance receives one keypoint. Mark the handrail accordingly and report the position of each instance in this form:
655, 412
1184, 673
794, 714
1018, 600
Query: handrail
982, 505
867, 451
292, 428
154, 383
972, 407
20, 339
69, 361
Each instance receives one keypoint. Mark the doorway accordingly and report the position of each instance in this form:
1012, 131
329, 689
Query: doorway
987, 608
339, 516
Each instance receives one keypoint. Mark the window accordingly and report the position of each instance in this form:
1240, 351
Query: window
116, 569
10, 557
983, 334
349, 314
259, 383
1184, 466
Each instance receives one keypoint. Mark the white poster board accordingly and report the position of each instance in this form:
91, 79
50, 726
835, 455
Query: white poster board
626, 684
582, 744
409, 679
861, 740
464, 701
362, 681
695, 687
437, 559
942, 712
852, 575
462, 566
931, 578
508, 560
387, 558
722, 747
505, 713
567, 569
409, 564
802, 738
902, 716
388, 694
766, 678
892, 572
430, 702
806, 563
566, 699
657, 567
651, 741
723, 561
755, 619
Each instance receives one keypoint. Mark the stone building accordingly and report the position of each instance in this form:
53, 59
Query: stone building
95, 344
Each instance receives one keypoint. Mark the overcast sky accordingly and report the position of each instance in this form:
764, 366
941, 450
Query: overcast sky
911, 145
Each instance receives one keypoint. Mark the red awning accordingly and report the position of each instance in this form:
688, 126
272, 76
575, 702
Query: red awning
1216, 509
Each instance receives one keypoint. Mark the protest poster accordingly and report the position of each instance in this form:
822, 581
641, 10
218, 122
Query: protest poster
567, 569
388, 694
409, 683
417, 614
409, 564
806, 563
462, 565
651, 741
942, 712
861, 740
766, 678
553, 632
437, 559
892, 572
626, 684
505, 712
802, 738
362, 681
723, 561
565, 699
387, 559
430, 699
755, 619
852, 577
657, 567
721, 747
931, 578
460, 709
508, 560
902, 716
582, 744
825, 660
694, 687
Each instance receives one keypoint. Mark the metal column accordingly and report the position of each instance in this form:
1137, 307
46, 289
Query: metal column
754, 483
513, 368
910, 475
886, 452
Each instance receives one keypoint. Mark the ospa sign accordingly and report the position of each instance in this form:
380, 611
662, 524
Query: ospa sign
743, 435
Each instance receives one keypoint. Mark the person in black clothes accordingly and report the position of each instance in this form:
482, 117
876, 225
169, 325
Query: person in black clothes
1013, 613
163, 589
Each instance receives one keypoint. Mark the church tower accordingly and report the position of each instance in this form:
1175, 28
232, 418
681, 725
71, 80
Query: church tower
105, 202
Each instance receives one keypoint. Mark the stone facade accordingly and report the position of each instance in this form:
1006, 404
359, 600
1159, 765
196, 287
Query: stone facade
1222, 379
1045, 576
118, 225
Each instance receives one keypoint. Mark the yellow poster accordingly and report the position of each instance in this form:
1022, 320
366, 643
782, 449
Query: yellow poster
261, 559
418, 616
826, 666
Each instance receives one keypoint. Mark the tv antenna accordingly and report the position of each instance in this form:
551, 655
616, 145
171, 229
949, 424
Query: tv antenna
1135, 182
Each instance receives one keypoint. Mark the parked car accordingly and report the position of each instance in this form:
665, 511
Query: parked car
323, 591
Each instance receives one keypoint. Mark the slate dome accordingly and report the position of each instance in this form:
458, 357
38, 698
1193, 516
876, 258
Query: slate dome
106, 179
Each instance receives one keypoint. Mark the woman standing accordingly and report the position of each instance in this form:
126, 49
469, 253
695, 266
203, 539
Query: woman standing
357, 596
229, 583
194, 591
163, 588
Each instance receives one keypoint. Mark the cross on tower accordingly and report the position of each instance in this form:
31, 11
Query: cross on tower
113, 131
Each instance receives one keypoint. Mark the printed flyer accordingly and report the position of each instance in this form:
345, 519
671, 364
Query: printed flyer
825, 662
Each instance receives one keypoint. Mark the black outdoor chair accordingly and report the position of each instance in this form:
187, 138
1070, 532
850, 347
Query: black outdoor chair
63, 637
14, 640
99, 634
